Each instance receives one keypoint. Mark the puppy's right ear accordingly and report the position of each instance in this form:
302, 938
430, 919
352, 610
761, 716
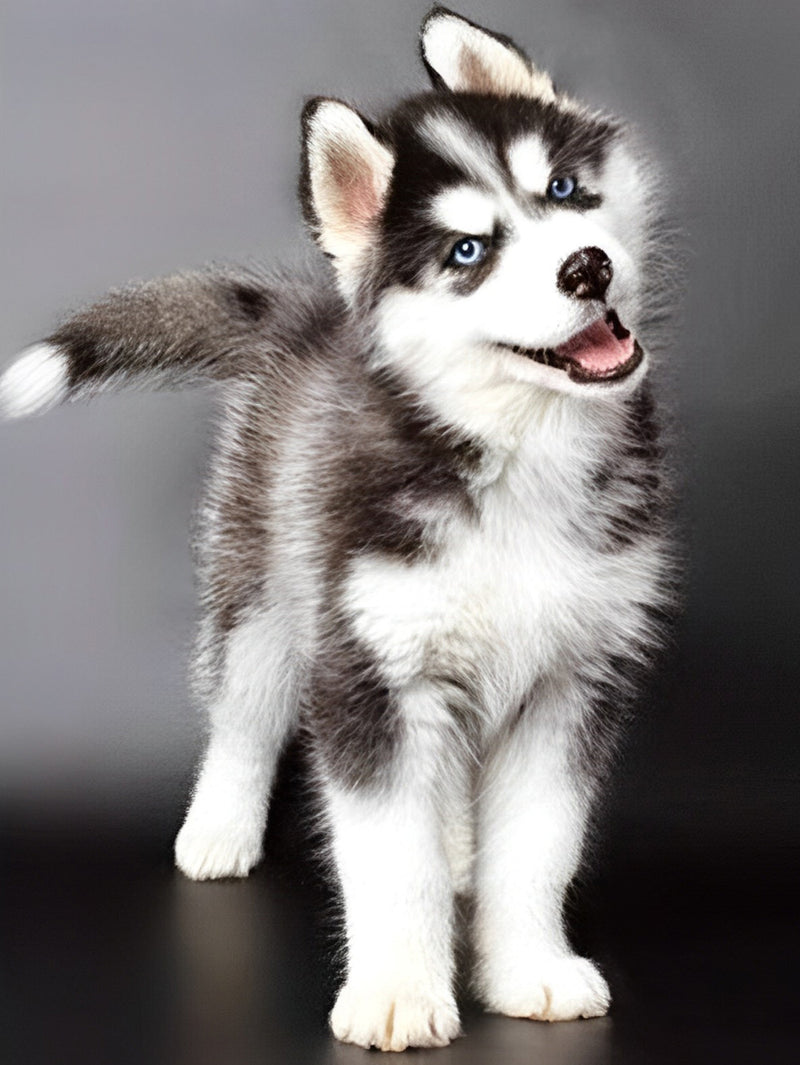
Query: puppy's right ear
345, 179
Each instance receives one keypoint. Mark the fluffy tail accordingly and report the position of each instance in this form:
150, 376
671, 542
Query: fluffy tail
174, 332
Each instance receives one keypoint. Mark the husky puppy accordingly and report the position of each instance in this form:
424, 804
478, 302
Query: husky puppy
433, 538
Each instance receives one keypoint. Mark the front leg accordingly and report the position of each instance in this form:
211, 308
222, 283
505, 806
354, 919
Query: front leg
532, 814
397, 888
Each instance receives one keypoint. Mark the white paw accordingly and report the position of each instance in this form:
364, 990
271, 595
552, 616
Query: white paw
394, 1019
35, 382
209, 850
550, 989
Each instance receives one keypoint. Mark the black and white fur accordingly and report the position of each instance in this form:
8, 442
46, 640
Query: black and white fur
428, 542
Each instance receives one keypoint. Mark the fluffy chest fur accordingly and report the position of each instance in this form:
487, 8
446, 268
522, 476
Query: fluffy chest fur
527, 586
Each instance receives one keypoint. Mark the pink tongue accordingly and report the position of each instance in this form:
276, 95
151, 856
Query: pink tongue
596, 348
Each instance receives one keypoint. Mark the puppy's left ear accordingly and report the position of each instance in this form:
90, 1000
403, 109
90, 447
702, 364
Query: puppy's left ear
345, 178
463, 57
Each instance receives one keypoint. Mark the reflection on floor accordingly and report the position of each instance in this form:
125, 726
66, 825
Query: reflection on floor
111, 957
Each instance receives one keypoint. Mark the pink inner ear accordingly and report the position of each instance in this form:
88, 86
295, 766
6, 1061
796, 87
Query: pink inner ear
476, 74
358, 199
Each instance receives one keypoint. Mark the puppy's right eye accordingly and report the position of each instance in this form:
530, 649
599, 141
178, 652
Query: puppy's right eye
469, 251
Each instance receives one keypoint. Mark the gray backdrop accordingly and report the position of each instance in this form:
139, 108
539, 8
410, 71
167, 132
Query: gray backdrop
142, 137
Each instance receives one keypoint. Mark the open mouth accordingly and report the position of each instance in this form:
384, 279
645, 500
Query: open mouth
604, 351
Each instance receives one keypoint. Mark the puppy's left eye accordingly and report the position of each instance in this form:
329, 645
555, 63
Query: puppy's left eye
469, 251
561, 188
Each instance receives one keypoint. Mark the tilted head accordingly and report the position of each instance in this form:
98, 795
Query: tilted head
498, 229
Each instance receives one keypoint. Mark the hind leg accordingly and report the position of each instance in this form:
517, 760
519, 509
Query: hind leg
250, 720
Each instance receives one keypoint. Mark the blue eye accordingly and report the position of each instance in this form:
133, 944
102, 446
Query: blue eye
561, 188
469, 251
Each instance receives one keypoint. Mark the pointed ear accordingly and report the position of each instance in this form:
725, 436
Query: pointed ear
463, 57
345, 179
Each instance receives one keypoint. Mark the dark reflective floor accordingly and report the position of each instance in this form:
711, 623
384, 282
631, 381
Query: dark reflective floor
110, 957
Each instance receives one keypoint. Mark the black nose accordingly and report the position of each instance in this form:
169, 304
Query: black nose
586, 274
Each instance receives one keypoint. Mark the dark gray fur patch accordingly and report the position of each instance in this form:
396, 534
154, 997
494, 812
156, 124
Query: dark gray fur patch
393, 462
634, 505
631, 479
236, 523
251, 301
351, 712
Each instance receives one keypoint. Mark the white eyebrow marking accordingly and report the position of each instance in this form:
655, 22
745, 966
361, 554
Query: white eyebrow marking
461, 145
464, 209
529, 164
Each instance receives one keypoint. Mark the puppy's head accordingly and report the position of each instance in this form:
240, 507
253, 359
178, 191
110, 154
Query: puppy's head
498, 229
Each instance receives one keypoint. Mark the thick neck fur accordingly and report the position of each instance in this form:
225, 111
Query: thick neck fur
558, 439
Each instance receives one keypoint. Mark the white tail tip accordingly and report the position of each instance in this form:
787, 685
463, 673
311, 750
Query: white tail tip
35, 382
